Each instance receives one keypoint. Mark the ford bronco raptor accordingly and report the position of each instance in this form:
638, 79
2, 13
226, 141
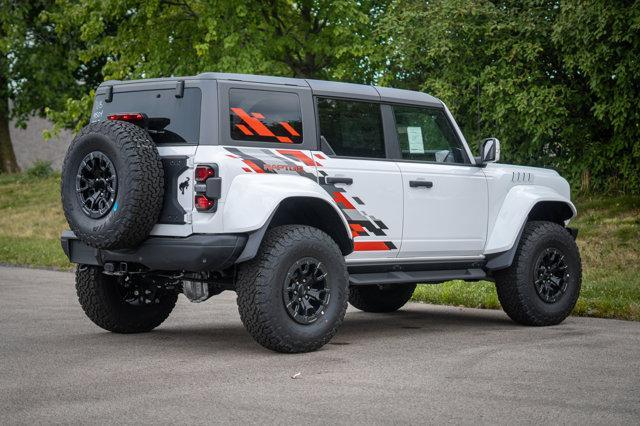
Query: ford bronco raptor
301, 196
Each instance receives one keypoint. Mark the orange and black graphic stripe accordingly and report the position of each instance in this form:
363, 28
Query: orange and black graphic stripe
362, 227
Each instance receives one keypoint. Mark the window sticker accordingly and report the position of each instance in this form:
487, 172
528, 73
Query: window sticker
265, 116
416, 144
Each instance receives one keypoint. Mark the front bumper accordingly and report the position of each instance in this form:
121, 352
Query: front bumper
194, 253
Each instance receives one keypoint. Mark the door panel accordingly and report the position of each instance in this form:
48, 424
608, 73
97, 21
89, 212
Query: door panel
446, 218
368, 191
371, 203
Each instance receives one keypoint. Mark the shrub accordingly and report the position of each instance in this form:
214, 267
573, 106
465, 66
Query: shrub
40, 169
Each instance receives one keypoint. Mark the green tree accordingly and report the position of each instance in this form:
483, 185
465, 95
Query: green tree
523, 71
35, 70
600, 40
153, 38
493, 64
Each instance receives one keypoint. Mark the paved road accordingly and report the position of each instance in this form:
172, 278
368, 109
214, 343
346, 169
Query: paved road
424, 364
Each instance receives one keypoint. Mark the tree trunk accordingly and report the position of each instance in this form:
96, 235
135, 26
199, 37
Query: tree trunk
8, 162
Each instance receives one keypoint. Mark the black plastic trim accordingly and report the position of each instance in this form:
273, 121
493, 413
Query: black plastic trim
335, 179
409, 265
172, 212
213, 189
425, 277
505, 259
420, 183
179, 89
255, 240
194, 253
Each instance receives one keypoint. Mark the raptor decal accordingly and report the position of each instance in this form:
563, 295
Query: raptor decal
295, 161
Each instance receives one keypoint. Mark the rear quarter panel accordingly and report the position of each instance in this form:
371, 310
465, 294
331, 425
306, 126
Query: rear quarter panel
254, 182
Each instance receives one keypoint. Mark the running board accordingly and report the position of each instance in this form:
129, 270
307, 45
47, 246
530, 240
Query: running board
426, 277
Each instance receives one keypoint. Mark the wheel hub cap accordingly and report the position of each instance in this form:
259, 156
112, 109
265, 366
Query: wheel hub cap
96, 184
550, 275
306, 291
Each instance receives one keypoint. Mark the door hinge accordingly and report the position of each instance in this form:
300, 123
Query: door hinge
190, 162
188, 218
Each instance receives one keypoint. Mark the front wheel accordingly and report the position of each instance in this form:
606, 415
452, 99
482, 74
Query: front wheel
292, 297
542, 284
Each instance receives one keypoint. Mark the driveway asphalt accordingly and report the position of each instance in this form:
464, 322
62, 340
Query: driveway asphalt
423, 364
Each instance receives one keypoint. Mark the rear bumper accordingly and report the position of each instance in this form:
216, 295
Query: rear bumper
194, 253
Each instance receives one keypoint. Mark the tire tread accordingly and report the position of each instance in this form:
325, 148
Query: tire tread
510, 281
253, 279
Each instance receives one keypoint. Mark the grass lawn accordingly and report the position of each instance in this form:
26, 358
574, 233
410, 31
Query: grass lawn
31, 221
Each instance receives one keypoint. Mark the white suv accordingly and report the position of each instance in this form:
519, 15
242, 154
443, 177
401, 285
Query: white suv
301, 196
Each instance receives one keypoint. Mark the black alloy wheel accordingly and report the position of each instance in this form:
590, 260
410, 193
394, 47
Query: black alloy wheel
306, 291
550, 273
96, 184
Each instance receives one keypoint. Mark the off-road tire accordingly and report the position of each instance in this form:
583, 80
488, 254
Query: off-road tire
260, 284
515, 285
140, 185
103, 304
380, 298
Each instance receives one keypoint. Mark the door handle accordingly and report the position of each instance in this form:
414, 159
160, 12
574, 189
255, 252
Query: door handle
418, 183
333, 179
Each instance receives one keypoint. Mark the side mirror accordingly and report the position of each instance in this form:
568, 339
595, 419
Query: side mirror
490, 151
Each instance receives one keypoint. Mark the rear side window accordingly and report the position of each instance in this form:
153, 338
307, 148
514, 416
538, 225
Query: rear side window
265, 116
170, 120
351, 128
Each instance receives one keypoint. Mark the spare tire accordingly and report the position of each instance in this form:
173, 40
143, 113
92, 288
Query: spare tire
112, 185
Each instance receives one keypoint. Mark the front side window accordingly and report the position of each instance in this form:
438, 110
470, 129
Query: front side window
425, 134
351, 128
265, 116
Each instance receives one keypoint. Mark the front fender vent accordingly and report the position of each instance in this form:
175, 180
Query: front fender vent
522, 177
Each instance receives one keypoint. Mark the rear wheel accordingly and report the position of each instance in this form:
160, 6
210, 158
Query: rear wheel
122, 304
380, 298
292, 297
542, 285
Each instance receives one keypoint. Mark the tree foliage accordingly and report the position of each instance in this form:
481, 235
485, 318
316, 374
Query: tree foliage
152, 38
35, 68
557, 82
600, 43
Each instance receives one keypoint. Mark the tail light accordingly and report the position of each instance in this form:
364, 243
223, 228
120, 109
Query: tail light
131, 117
204, 172
204, 204
208, 188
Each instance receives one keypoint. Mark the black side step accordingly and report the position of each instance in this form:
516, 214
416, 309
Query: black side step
427, 277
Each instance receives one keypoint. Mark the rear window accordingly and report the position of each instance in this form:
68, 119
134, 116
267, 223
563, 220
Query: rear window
171, 120
265, 116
